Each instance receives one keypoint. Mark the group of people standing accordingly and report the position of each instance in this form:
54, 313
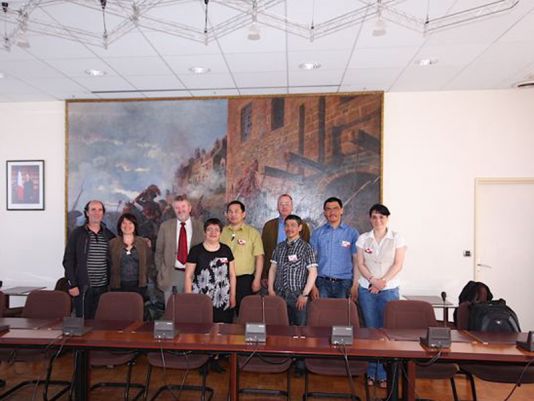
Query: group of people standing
229, 262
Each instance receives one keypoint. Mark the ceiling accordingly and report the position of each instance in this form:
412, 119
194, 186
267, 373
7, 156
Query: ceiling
493, 52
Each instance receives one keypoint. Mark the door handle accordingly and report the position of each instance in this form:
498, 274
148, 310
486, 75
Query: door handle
484, 265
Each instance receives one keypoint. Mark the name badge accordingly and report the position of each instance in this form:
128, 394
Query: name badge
241, 241
292, 258
345, 244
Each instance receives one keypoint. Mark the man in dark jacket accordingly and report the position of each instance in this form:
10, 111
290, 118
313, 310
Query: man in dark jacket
87, 262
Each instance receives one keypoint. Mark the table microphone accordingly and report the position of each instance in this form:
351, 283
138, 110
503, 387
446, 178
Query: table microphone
343, 335
165, 329
84, 291
348, 311
174, 292
256, 332
75, 326
262, 308
444, 296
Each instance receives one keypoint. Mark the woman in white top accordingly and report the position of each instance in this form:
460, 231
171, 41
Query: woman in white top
380, 257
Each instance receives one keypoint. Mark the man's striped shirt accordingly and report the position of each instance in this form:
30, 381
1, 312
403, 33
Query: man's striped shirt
97, 267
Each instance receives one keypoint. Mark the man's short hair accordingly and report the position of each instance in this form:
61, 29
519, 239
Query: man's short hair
332, 199
86, 208
285, 196
181, 198
236, 202
295, 218
213, 221
380, 209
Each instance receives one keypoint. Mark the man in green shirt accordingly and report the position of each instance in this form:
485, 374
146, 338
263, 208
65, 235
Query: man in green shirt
247, 248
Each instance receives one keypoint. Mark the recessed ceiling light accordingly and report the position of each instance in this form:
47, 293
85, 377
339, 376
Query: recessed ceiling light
95, 73
2, 75
199, 70
426, 61
309, 66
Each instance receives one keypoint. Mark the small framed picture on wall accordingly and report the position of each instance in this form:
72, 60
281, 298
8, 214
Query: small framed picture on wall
25, 184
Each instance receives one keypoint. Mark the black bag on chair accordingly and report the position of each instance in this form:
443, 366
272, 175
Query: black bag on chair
493, 316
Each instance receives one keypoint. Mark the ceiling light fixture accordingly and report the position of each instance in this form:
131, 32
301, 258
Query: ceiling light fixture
22, 40
149, 16
380, 25
95, 73
309, 66
254, 29
199, 70
426, 61
525, 84
254, 32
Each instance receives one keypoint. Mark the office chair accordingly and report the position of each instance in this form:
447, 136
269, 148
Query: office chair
489, 372
326, 312
274, 309
419, 315
40, 304
126, 306
186, 308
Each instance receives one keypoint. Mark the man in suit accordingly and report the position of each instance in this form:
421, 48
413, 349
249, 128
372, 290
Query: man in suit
175, 238
274, 232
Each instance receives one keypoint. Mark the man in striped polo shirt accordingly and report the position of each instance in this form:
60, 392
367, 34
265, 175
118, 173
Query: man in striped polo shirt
86, 260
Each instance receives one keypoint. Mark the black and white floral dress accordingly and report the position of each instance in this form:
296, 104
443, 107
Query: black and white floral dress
212, 277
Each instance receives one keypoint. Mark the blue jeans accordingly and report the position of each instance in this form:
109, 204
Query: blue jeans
296, 317
372, 307
333, 289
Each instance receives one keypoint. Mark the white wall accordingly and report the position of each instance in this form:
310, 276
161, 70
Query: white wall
435, 144
32, 242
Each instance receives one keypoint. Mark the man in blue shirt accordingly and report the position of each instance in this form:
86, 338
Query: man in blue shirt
334, 243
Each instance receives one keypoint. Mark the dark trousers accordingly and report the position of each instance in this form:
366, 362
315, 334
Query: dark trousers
223, 315
243, 288
131, 287
85, 304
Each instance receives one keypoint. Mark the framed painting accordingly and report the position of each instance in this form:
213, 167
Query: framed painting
25, 184
136, 155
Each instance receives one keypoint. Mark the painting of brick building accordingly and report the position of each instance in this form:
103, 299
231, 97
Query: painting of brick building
312, 147
137, 155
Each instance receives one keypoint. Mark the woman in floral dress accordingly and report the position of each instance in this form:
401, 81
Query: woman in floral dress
210, 270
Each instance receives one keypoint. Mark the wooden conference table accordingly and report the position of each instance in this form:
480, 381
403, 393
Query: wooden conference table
395, 346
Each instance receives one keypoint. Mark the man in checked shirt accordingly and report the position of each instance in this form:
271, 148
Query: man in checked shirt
293, 271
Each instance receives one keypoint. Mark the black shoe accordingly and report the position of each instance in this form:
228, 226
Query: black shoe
215, 367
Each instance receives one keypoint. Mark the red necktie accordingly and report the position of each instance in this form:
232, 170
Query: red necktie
182, 245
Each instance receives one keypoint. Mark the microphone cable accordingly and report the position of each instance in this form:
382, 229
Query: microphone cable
168, 386
50, 361
432, 360
343, 350
518, 382
249, 357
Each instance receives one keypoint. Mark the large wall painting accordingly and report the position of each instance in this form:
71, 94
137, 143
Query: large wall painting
137, 155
